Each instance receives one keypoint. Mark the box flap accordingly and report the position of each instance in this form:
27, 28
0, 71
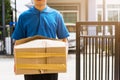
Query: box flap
24, 40
39, 43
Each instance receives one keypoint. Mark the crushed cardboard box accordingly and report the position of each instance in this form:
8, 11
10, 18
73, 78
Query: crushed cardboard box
39, 55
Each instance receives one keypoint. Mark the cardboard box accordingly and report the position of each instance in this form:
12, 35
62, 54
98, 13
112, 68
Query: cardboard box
39, 55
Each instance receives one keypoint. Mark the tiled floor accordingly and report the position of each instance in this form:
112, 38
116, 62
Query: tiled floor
7, 69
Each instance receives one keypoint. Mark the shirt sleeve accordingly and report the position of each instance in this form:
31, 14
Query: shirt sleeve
62, 31
19, 31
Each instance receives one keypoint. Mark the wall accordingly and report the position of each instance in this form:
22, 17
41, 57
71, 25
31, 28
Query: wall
83, 16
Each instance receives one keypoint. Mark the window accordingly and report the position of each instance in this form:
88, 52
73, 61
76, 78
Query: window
69, 17
99, 29
69, 11
113, 15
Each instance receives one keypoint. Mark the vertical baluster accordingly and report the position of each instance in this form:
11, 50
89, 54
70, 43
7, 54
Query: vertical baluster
89, 58
112, 48
92, 58
86, 55
99, 58
102, 47
84, 59
108, 56
96, 52
106, 59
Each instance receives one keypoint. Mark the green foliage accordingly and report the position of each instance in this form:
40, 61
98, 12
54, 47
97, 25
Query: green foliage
8, 12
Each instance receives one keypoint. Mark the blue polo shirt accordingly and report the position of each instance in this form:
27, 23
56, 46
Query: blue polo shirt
48, 23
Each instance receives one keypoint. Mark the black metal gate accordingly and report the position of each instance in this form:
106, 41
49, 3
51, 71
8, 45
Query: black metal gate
99, 57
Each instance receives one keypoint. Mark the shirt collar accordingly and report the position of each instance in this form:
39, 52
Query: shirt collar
36, 11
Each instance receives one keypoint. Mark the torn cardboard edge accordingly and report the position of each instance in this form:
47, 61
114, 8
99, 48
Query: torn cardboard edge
24, 40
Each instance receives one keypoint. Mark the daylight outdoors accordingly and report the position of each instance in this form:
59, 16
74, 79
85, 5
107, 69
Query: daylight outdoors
93, 45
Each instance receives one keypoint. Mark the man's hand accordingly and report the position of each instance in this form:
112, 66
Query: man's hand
64, 40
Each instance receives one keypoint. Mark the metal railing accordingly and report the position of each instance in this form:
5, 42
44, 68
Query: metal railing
99, 59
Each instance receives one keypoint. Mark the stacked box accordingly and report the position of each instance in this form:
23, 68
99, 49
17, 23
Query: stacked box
36, 55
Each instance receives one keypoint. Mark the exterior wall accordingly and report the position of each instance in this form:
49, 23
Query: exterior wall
92, 16
82, 6
84, 10
64, 1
